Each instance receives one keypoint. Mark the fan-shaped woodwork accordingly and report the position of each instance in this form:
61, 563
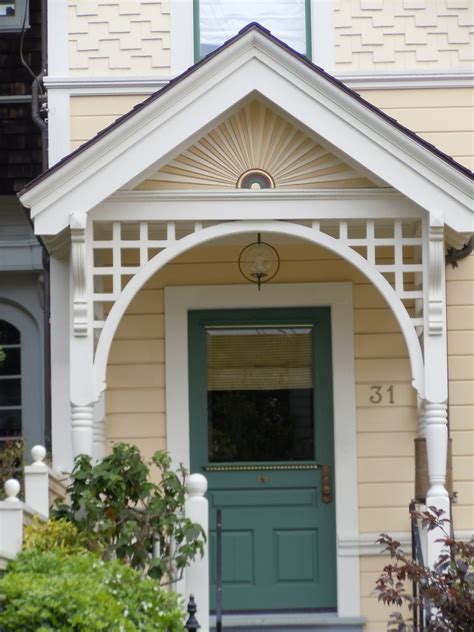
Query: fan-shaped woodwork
255, 137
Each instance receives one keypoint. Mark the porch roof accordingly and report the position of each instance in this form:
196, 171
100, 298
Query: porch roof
436, 182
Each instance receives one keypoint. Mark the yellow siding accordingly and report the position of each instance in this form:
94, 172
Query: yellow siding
119, 38
460, 299
444, 118
379, 35
376, 613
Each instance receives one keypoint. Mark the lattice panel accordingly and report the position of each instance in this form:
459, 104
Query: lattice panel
119, 37
120, 249
403, 34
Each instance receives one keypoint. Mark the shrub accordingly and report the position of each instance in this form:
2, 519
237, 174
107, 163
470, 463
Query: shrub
11, 462
119, 511
53, 535
46, 591
446, 590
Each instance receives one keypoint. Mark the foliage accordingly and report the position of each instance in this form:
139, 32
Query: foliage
447, 589
2, 354
123, 514
11, 461
59, 535
46, 591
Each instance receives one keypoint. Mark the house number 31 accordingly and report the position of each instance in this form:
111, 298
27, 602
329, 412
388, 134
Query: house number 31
381, 393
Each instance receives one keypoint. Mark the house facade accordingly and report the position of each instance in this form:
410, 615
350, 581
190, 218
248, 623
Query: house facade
248, 270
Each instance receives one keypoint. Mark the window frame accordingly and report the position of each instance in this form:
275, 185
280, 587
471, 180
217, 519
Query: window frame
197, 31
14, 23
18, 376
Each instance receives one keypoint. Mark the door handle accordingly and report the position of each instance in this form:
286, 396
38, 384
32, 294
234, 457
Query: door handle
326, 485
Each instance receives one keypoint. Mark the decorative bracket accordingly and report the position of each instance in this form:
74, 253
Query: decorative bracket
78, 222
436, 278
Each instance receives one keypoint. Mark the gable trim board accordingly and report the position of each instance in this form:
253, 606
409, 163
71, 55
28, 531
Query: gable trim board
93, 86
252, 63
178, 300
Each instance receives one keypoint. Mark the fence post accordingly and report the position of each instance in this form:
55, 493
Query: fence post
197, 573
37, 482
11, 520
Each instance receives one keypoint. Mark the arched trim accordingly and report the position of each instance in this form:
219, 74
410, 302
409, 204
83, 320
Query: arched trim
31, 370
239, 227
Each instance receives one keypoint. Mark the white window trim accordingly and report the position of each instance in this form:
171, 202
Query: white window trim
14, 23
338, 296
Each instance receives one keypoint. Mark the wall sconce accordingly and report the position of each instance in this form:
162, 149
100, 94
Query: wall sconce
259, 262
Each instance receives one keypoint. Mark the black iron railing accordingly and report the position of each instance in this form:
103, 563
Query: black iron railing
421, 612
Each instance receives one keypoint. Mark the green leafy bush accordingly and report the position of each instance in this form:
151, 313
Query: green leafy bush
48, 591
121, 512
55, 534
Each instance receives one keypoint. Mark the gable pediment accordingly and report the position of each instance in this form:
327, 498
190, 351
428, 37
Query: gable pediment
256, 138
190, 135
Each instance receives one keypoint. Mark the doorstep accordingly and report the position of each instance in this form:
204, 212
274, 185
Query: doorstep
288, 622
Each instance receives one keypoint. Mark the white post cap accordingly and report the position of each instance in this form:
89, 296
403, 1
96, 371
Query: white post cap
12, 489
196, 485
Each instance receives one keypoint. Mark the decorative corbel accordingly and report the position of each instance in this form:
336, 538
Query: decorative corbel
77, 224
436, 278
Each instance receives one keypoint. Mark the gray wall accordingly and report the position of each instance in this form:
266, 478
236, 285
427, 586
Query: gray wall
22, 304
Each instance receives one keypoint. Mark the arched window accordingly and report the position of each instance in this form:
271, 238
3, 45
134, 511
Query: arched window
10, 382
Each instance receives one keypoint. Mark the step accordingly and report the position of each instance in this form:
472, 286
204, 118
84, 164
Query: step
288, 622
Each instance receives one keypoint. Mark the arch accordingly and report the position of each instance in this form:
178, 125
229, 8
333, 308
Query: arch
272, 226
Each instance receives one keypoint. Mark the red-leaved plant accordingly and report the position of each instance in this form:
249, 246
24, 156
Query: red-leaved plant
446, 591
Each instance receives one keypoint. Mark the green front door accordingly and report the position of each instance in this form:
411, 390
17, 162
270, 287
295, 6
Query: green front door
261, 432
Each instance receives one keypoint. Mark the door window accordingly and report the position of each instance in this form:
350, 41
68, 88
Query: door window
260, 393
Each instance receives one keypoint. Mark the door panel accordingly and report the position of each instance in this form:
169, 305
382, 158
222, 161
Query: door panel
261, 423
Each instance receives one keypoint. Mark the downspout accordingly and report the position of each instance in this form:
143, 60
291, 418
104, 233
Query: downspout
39, 116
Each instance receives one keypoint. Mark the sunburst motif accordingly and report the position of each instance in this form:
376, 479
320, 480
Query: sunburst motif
256, 137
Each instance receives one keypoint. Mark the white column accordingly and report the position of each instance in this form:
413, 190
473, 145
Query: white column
436, 375
82, 429
11, 520
197, 573
81, 346
37, 482
98, 447
60, 359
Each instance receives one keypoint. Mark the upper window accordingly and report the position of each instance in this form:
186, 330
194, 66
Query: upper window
13, 15
218, 20
10, 382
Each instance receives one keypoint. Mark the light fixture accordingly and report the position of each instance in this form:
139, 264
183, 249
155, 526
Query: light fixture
259, 262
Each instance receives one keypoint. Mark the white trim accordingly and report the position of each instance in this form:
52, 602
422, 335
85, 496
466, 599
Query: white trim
322, 33
224, 229
60, 360
406, 80
154, 133
179, 300
59, 126
251, 205
58, 31
93, 86
181, 35
146, 85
